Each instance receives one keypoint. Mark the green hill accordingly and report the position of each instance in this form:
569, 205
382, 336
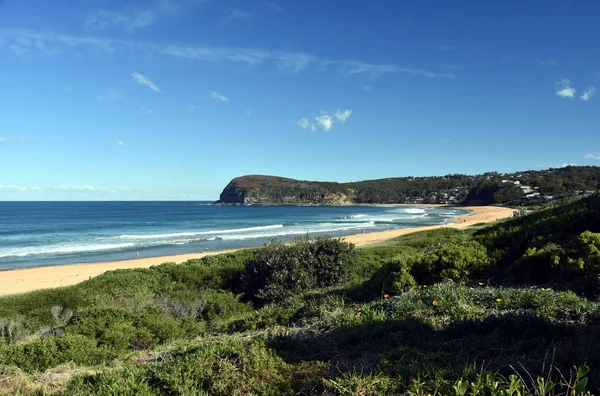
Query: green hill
527, 187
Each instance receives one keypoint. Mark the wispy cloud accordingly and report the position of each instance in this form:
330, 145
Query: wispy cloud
89, 188
351, 67
325, 121
110, 94
121, 143
143, 80
128, 19
342, 115
133, 18
564, 89
79, 188
292, 61
275, 7
236, 13
5, 140
593, 156
588, 93
303, 123
549, 63
453, 67
147, 110
218, 96
19, 188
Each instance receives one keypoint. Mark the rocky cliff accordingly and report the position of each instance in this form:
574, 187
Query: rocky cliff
271, 190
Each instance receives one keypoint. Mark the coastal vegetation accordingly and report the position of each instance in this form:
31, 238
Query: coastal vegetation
506, 309
531, 188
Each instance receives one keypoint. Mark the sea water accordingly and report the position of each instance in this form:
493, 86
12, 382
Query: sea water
36, 234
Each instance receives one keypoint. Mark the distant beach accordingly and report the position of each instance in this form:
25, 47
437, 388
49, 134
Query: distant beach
25, 280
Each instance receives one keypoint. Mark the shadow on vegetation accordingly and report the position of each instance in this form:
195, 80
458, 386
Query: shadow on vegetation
503, 343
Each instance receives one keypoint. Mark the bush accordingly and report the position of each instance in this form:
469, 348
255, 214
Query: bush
45, 353
120, 330
279, 271
451, 261
226, 368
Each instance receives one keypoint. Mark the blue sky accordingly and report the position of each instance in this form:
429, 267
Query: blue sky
170, 99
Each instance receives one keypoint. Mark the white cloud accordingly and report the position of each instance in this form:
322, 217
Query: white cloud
549, 63
143, 80
218, 96
294, 61
351, 67
564, 89
587, 94
593, 156
325, 121
125, 189
236, 13
120, 143
303, 123
342, 115
79, 188
128, 19
132, 18
20, 188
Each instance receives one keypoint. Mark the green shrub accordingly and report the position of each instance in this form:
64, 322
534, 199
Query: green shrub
451, 261
133, 380
279, 271
48, 352
226, 368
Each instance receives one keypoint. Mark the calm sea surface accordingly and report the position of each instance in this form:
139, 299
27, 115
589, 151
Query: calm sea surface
54, 233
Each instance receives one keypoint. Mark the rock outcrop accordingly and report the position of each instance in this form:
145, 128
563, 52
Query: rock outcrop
271, 190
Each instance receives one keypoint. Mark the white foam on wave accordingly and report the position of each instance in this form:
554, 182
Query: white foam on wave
195, 233
35, 251
322, 228
414, 210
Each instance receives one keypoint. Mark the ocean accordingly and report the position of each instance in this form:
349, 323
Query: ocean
34, 234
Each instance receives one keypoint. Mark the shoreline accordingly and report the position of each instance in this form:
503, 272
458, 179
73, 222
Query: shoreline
24, 280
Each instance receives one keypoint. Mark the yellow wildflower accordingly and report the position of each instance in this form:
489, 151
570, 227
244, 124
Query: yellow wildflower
386, 296
498, 300
424, 286
480, 283
435, 284
435, 302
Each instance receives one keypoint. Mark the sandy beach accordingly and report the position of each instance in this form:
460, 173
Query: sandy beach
24, 280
